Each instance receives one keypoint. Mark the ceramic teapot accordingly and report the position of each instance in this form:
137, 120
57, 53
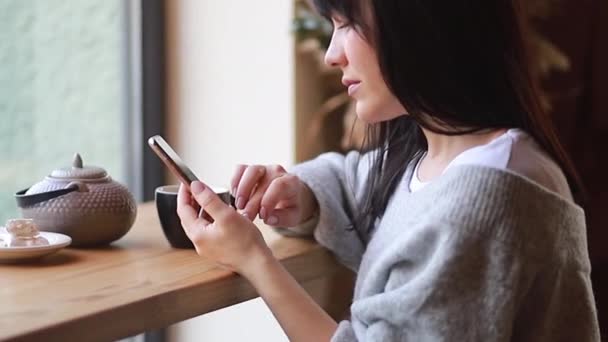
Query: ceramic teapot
81, 202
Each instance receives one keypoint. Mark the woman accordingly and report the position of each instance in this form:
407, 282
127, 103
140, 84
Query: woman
460, 222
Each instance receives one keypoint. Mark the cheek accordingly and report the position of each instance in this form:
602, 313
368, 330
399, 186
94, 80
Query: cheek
394, 107
374, 101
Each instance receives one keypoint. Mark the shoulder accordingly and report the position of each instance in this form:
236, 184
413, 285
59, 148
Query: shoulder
478, 201
467, 188
530, 160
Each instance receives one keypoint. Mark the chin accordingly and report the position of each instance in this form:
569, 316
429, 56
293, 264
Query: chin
371, 114
367, 113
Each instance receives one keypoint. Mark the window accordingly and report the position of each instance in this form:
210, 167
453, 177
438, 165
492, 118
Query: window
64, 88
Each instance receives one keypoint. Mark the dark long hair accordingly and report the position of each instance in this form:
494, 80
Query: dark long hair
458, 67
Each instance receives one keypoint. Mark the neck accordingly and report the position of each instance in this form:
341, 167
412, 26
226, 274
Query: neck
442, 149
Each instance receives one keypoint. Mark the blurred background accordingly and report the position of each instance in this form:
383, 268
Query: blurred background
230, 82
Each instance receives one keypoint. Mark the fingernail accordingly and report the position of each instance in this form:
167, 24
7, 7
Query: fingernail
234, 192
197, 187
263, 213
240, 203
272, 220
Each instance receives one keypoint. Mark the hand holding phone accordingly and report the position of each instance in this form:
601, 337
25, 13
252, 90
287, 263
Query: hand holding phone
172, 160
178, 167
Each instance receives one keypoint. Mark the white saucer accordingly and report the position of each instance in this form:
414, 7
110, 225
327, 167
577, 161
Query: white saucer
15, 254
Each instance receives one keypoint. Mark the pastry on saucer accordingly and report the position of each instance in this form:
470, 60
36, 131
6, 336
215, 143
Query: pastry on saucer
24, 233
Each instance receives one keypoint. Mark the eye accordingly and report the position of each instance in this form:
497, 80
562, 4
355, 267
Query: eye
340, 23
345, 25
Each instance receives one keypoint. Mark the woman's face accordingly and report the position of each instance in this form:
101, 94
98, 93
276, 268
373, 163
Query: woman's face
350, 52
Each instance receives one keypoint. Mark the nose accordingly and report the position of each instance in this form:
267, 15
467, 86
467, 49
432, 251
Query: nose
335, 56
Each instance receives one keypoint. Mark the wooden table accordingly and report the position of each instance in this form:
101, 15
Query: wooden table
137, 284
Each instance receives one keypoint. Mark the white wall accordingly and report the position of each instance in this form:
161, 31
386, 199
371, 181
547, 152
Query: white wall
230, 101
230, 84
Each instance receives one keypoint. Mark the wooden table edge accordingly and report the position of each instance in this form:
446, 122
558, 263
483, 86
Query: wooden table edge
162, 310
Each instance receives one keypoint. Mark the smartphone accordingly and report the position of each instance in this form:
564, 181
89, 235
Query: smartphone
179, 168
172, 160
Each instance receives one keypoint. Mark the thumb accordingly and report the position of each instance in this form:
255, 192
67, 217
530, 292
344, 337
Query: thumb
282, 218
209, 201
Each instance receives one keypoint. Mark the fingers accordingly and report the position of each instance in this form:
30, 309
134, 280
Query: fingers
280, 189
236, 178
254, 203
186, 212
284, 191
282, 218
210, 202
251, 182
250, 178
183, 196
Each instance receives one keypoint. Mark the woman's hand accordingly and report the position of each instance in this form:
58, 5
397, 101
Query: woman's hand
230, 239
281, 199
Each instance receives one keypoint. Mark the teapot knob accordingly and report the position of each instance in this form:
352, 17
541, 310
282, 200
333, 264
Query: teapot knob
77, 163
80, 185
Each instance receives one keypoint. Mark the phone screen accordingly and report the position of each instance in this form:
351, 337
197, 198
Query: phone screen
172, 160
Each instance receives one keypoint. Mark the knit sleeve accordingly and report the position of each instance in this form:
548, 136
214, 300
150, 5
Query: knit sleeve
439, 287
337, 182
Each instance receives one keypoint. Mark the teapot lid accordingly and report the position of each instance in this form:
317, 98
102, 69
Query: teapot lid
78, 171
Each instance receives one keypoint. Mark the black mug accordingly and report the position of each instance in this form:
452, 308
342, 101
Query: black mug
166, 206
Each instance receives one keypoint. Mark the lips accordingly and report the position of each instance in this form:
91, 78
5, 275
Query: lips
352, 85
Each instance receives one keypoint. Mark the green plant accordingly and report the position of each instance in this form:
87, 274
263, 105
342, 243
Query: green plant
308, 25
